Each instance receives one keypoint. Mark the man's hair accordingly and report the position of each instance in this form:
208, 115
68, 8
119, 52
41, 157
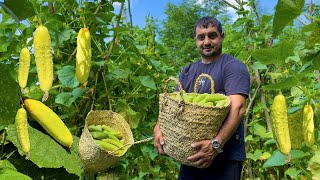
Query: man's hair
206, 22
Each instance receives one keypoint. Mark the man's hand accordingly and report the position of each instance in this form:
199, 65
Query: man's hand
205, 154
158, 138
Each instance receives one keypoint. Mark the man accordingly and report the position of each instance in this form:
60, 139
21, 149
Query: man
220, 157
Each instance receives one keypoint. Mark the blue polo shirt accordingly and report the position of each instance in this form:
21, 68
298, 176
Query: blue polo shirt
230, 77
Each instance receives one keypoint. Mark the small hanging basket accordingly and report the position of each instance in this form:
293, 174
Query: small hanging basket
185, 123
93, 157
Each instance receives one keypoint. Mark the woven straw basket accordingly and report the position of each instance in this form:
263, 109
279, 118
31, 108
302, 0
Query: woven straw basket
93, 157
184, 123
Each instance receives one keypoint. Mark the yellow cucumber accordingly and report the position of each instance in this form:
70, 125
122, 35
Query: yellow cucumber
308, 125
50, 121
21, 124
24, 65
279, 121
43, 57
83, 56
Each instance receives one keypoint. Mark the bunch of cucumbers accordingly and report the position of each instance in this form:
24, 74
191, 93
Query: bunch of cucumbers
205, 99
107, 138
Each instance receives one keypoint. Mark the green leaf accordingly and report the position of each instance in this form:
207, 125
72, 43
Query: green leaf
149, 151
9, 89
287, 83
6, 164
261, 131
33, 92
11, 174
313, 38
120, 73
63, 36
276, 55
21, 8
131, 116
279, 159
67, 77
45, 152
258, 65
67, 98
293, 173
147, 81
314, 165
64, 98
255, 156
274, 75
286, 12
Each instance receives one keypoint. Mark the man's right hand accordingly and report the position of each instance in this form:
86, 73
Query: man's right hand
158, 138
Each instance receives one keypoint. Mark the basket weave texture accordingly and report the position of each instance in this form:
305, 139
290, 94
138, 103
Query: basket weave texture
185, 123
93, 157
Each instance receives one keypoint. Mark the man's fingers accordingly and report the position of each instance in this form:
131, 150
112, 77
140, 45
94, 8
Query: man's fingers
195, 157
197, 145
158, 144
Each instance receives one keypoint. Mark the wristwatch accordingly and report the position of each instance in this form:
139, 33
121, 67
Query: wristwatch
216, 145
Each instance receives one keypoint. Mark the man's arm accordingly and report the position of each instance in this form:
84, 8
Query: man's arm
206, 153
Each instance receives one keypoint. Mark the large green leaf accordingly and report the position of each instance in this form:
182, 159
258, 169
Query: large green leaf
11, 174
286, 12
67, 98
21, 8
276, 55
9, 89
147, 81
287, 83
313, 38
279, 159
314, 165
47, 153
67, 77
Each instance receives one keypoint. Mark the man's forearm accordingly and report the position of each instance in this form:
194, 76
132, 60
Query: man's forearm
233, 119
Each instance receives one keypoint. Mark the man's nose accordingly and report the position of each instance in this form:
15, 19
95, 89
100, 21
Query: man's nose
207, 40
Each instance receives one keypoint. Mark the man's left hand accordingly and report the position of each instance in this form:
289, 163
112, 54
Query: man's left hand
205, 154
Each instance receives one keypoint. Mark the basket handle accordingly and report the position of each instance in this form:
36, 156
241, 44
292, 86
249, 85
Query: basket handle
172, 79
177, 82
136, 142
199, 78
180, 103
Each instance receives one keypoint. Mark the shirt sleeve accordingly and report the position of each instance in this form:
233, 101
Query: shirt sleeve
237, 79
182, 77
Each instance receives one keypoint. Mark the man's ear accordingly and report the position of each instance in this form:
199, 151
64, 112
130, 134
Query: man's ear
222, 35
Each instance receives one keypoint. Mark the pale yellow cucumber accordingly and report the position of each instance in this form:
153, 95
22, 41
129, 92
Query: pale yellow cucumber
50, 121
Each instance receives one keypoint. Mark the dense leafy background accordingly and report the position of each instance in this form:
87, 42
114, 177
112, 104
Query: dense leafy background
130, 65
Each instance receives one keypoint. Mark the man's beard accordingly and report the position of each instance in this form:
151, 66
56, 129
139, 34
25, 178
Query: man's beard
212, 53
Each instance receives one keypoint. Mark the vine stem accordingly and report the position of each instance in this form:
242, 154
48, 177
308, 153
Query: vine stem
306, 172
3, 140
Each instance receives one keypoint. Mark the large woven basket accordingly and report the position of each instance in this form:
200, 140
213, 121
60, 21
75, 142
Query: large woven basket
93, 157
184, 123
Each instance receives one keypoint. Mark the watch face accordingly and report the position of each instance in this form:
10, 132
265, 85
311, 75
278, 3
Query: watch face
216, 146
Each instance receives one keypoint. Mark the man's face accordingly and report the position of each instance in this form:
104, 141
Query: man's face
209, 41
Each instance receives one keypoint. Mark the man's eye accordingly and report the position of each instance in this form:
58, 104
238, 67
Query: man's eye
212, 36
200, 37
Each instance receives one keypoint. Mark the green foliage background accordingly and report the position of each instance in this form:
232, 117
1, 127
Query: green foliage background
130, 66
